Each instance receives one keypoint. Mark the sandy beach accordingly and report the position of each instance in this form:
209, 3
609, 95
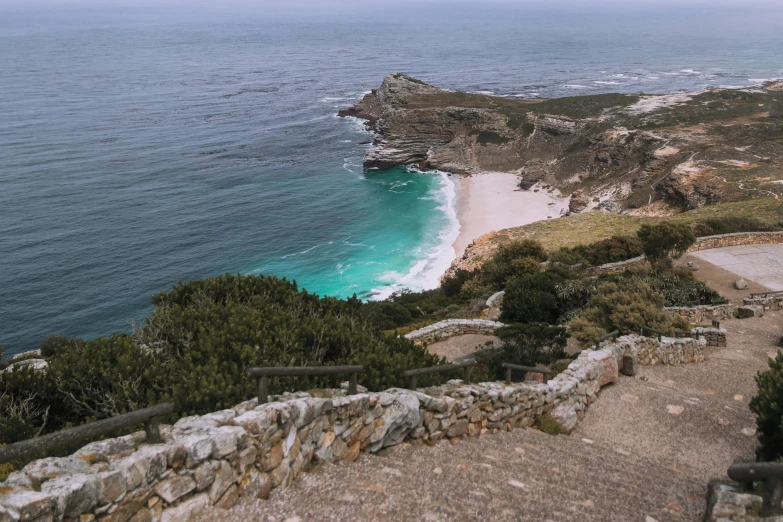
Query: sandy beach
493, 201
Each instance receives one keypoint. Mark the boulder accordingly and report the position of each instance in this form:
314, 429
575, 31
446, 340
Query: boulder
398, 419
174, 488
566, 416
743, 312
578, 202
740, 284
607, 365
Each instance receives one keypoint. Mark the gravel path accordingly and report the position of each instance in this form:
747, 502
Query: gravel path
644, 452
461, 345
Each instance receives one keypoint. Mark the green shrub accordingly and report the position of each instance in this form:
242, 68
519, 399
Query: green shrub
665, 240
496, 273
58, 343
194, 348
533, 298
768, 407
730, 225
625, 307
549, 425
451, 285
612, 250
526, 345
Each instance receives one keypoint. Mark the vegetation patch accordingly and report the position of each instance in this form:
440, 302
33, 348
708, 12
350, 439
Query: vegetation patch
549, 425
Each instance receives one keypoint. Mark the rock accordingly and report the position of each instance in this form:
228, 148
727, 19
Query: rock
534, 377
731, 504
674, 409
111, 486
740, 284
224, 478
457, 429
693, 265
174, 488
353, 452
199, 447
53, 467
607, 362
184, 511
630, 367
29, 505
578, 202
516, 484
205, 474
566, 416
743, 312
398, 419
7, 515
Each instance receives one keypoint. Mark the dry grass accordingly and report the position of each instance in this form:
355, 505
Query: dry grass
583, 229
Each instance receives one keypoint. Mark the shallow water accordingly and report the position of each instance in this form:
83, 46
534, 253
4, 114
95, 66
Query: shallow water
139, 146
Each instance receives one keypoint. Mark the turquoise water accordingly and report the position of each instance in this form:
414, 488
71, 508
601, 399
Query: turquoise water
399, 236
140, 146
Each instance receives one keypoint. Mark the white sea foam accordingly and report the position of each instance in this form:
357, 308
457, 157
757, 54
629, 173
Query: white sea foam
599, 82
576, 86
432, 263
302, 252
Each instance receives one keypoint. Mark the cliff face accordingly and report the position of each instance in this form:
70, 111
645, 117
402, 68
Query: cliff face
620, 151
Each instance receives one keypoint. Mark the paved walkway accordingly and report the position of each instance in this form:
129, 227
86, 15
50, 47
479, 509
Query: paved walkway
646, 448
760, 263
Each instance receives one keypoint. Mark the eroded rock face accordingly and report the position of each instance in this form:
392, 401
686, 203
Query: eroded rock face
630, 150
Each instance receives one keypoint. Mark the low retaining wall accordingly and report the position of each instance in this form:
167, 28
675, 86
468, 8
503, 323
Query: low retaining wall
773, 302
736, 239
249, 449
713, 336
452, 327
703, 313
616, 268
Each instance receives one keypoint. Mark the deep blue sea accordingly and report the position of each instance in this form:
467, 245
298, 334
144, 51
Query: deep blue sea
142, 146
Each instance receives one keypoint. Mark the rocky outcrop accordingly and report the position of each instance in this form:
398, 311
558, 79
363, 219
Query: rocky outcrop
628, 150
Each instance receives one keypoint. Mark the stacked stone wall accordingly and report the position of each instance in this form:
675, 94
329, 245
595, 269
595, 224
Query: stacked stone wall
452, 327
249, 449
736, 239
703, 313
772, 302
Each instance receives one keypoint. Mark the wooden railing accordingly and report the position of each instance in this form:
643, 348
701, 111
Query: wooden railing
766, 294
769, 473
466, 365
262, 376
658, 333
510, 367
610, 335
63, 439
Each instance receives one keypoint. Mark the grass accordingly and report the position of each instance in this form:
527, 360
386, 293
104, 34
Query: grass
583, 229
548, 425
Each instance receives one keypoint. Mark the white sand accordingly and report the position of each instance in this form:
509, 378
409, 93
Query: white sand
493, 201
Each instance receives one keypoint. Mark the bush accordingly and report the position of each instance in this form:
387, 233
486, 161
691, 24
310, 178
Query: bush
533, 298
549, 425
730, 225
768, 407
612, 250
625, 307
194, 348
59, 343
665, 240
526, 345
497, 272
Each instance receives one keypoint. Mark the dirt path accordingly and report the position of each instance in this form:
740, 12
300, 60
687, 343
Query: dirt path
644, 452
461, 345
721, 280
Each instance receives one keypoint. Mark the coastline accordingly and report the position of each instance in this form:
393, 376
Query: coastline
493, 201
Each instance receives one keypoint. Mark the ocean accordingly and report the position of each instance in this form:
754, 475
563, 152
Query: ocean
140, 146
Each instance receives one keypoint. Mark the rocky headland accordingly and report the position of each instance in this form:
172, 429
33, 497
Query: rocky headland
621, 153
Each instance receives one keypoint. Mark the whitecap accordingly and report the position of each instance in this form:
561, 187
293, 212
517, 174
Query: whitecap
576, 86
302, 252
606, 83
431, 264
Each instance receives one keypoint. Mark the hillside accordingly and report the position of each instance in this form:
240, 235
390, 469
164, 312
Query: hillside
589, 227
622, 151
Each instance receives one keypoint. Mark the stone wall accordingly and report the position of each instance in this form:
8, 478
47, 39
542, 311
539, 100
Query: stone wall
452, 327
704, 313
249, 449
772, 302
713, 336
736, 239
616, 268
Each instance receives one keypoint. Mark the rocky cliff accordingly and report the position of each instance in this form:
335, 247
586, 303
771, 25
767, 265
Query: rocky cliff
615, 151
